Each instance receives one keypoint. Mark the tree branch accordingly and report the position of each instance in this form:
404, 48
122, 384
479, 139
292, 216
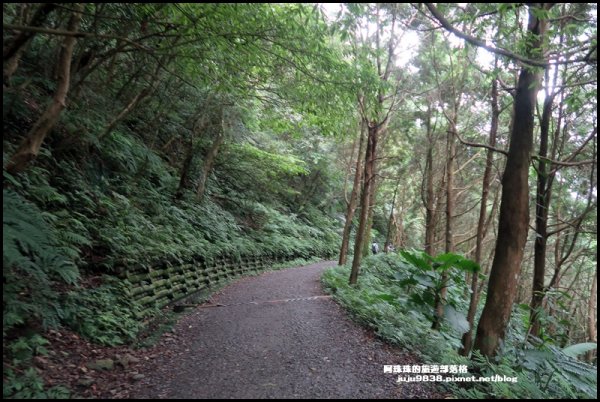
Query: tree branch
478, 42
476, 145
62, 32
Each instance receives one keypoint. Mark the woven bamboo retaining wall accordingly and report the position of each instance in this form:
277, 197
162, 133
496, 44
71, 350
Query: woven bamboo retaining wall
168, 283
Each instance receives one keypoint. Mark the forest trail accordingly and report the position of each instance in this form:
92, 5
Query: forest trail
273, 337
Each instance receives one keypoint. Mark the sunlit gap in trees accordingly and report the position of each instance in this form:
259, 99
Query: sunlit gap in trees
410, 40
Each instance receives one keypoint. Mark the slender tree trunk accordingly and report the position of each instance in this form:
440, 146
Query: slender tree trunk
111, 66
513, 224
541, 222
376, 127
450, 190
439, 199
208, 164
389, 238
367, 243
130, 106
32, 142
132, 80
430, 201
14, 49
210, 159
11, 65
400, 236
545, 180
370, 155
147, 91
93, 64
185, 170
198, 127
467, 339
592, 315
351, 163
449, 246
351, 208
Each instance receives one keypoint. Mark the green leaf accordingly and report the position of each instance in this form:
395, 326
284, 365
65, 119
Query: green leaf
387, 297
535, 358
457, 321
424, 280
579, 349
416, 260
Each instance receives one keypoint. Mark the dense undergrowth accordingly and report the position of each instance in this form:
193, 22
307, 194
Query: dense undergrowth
171, 134
78, 218
395, 296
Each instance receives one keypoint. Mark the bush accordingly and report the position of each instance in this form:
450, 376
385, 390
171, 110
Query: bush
393, 296
106, 314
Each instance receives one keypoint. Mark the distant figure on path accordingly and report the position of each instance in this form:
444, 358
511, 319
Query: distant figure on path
375, 248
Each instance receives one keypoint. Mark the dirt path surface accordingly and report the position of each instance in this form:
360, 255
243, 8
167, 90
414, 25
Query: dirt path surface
258, 346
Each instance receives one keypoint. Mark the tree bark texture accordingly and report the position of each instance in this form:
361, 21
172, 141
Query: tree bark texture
467, 339
11, 53
31, 144
351, 208
513, 223
370, 155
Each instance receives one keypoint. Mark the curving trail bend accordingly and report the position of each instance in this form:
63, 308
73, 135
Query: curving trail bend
276, 335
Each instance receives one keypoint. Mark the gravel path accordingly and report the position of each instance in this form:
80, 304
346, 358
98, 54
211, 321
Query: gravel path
257, 346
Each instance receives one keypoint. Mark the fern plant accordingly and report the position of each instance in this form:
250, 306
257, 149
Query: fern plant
32, 265
384, 301
106, 314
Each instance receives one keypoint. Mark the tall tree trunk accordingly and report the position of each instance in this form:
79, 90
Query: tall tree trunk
400, 235
430, 201
439, 199
450, 192
351, 162
545, 180
541, 222
32, 142
367, 243
449, 244
376, 127
467, 339
370, 155
389, 238
592, 316
351, 208
513, 223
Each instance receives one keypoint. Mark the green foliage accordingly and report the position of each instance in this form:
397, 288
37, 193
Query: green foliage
580, 348
105, 205
424, 277
33, 263
386, 303
106, 314
24, 348
390, 297
541, 372
558, 371
29, 385
20, 380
